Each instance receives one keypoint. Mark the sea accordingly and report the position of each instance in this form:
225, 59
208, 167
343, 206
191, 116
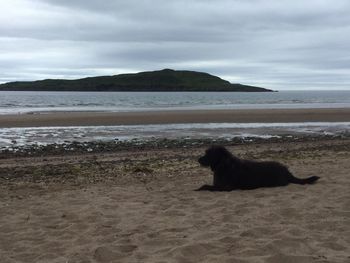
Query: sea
46, 102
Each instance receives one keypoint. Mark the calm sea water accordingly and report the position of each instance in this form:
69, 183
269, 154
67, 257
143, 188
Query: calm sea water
37, 102
27, 102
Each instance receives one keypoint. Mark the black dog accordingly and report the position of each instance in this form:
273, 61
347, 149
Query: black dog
232, 173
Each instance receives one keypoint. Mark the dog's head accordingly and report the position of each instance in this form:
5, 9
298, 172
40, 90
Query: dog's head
214, 156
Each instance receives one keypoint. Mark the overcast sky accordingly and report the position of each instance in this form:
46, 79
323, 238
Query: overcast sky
279, 44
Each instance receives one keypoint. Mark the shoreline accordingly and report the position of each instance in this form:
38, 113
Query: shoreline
66, 119
150, 144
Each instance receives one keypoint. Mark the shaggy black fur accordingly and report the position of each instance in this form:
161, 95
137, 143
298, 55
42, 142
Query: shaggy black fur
232, 173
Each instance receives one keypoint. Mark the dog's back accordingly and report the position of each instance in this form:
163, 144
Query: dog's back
253, 174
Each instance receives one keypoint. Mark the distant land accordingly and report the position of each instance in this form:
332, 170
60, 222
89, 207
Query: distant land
161, 80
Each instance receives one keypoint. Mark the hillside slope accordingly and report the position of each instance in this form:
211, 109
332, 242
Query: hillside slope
162, 80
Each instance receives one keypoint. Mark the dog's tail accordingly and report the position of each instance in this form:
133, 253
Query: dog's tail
309, 180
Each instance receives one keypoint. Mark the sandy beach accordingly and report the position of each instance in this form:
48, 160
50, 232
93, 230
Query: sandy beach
180, 116
139, 205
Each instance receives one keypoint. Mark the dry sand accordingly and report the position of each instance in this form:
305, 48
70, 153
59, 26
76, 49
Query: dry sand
139, 206
181, 116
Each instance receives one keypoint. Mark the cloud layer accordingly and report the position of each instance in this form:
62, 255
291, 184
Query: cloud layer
275, 44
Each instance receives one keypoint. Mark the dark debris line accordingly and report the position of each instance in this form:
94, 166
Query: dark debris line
137, 144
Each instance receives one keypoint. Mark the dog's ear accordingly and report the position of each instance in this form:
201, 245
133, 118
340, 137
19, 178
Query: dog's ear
217, 155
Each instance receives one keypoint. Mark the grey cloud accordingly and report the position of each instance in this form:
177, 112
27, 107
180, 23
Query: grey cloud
279, 44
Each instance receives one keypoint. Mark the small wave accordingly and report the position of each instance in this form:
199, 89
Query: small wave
21, 102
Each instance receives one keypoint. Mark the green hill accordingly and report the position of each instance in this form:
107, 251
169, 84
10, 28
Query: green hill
163, 80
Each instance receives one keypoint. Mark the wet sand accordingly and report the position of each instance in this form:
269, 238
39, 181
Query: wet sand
181, 116
138, 205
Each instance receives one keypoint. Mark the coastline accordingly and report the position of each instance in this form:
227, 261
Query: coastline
63, 119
